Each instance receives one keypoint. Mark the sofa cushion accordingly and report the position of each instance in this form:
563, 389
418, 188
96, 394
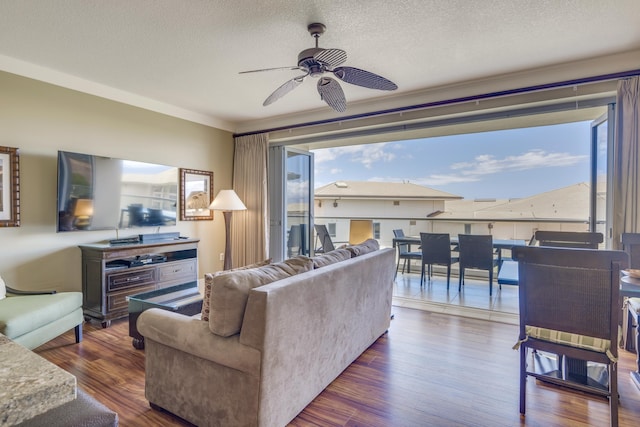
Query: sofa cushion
332, 257
208, 278
230, 291
22, 314
365, 247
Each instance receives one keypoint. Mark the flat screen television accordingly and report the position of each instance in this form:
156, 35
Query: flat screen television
100, 193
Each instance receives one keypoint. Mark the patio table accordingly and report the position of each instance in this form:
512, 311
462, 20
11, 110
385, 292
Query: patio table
498, 244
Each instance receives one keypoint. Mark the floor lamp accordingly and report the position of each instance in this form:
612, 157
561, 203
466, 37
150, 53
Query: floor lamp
227, 201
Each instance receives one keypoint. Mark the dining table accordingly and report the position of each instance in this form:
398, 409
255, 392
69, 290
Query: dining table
498, 244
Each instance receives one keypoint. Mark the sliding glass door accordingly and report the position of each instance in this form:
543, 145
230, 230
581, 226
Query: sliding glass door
291, 204
601, 184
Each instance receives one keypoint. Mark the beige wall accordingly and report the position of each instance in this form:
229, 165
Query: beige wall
40, 119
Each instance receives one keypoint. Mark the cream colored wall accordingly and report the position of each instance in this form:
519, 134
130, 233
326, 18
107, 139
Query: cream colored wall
40, 119
353, 208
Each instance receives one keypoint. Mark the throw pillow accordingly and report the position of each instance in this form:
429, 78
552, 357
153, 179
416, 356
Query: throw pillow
332, 257
3, 289
365, 247
208, 279
230, 292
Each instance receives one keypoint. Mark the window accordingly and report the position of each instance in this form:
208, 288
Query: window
331, 227
376, 230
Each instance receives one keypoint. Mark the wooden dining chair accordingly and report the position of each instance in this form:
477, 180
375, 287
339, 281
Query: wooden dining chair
569, 305
476, 252
405, 254
435, 249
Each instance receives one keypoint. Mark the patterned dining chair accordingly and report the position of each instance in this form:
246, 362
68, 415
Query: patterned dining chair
569, 305
631, 313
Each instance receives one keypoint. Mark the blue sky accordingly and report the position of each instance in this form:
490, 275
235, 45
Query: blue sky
498, 164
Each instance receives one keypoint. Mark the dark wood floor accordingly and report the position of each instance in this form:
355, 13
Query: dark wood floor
430, 369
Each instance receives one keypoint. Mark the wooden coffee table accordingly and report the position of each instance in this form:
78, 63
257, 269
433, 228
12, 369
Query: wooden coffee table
184, 299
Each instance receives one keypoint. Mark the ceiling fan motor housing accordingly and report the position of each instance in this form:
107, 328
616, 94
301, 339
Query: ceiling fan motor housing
307, 62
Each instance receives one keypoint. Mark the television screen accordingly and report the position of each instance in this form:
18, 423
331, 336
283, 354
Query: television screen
99, 193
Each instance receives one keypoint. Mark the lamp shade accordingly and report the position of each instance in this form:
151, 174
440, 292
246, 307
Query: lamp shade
227, 200
84, 208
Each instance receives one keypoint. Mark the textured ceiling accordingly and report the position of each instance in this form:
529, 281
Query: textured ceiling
186, 55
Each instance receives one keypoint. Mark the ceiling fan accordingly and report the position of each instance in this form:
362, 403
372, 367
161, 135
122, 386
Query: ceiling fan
315, 62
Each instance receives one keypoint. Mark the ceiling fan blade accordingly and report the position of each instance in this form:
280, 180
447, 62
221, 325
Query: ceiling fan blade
287, 87
331, 93
363, 78
269, 69
331, 57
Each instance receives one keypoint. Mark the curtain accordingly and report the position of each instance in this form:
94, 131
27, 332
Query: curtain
250, 239
626, 161
625, 175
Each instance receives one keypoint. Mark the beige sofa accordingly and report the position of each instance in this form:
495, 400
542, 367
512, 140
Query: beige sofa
297, 334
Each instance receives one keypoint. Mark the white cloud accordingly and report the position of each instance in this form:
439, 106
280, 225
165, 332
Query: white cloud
335, 171
367, 154
297, 191
436, 180
487, 164
324, 155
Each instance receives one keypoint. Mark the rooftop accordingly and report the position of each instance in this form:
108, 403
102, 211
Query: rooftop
381, 190
571, 203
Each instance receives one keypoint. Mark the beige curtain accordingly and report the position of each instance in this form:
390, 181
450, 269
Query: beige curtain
250, 239
626, 161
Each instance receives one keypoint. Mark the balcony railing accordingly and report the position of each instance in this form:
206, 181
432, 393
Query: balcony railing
498, 228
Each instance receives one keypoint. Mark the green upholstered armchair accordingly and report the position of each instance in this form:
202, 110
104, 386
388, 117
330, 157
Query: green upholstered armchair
31, 318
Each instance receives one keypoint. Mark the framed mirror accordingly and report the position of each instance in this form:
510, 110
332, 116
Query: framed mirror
9, 187
196, 194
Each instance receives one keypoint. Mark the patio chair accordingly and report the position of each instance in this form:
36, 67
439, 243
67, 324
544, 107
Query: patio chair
568, 239
569, 305
404, 253
476, 251
326, 245
435, 249
293, 241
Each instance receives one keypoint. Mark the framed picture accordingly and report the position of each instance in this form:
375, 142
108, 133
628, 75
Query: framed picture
9, 187
196, 194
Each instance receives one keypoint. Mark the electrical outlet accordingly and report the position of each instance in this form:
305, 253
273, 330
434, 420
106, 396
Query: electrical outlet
221, 256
